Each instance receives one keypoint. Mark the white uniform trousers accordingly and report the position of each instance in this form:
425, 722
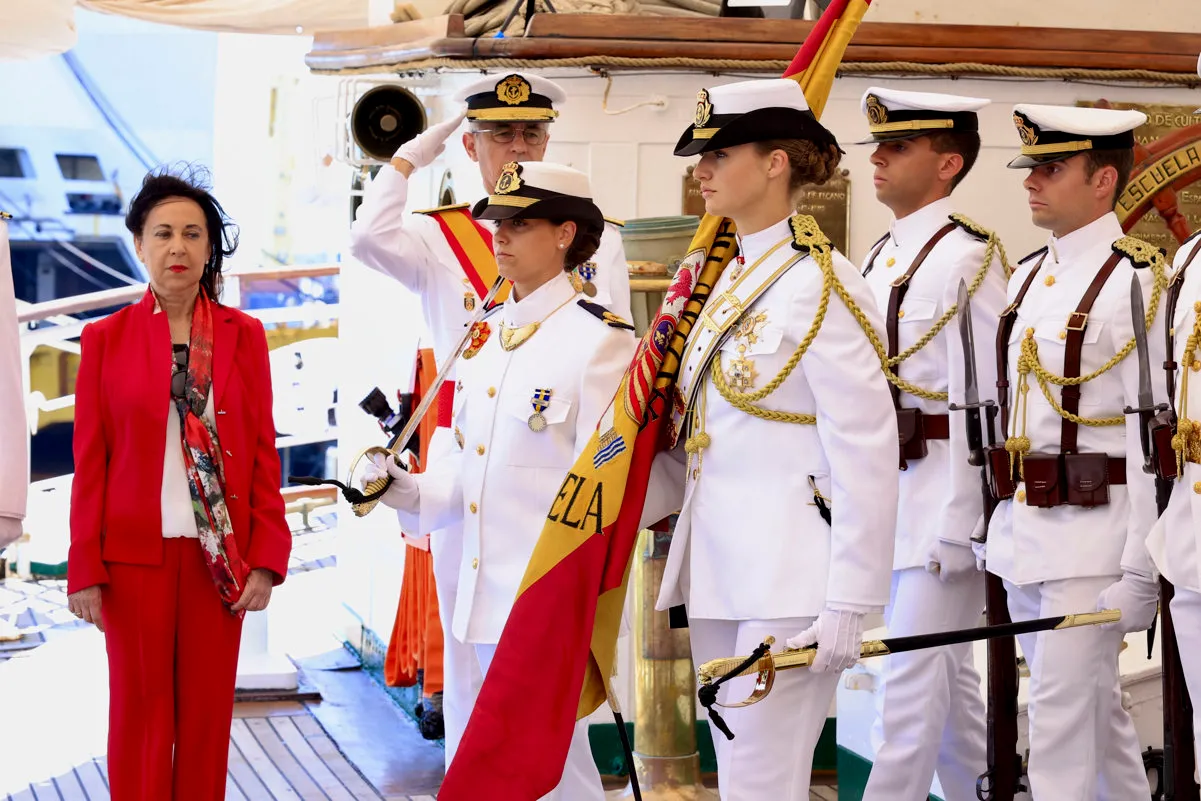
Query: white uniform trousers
771, 755
1083, 744
1186, 617
461, 676
581, 779
931, 712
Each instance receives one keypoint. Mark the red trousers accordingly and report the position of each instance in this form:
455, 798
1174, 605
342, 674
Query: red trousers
172, 660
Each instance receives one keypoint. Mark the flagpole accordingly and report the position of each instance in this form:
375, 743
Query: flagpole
666, 760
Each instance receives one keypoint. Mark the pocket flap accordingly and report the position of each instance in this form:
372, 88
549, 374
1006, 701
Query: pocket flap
917, 310
1086, 472
1055, 330
1041, 473
521, 406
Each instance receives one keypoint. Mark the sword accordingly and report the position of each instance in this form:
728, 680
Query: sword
768, 663
363, 501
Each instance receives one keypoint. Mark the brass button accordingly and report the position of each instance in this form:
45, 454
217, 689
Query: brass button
1021, 496
473, 508
696, 473
1196, 365
1049, 280
479, 449
1197, 488
475, 564
491, 392
1063, 334
891, 261
900, 314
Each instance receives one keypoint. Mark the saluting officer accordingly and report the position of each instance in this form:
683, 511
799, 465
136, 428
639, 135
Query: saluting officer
1075, 525
931, 712
446, 257
536, 378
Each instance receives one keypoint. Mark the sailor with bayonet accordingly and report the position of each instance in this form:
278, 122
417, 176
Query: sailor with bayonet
1175, 541
1075, 504
931, 712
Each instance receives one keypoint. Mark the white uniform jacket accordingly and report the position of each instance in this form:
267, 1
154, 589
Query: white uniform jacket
501, 481
750, 542
412, 249
1175, 541
1026, 544
940, 495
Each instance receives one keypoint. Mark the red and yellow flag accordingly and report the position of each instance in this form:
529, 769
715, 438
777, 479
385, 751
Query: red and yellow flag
557, 650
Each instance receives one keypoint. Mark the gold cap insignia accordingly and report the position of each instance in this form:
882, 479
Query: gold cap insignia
513, 90
1026, 130
704, 109
509, 180
877, 113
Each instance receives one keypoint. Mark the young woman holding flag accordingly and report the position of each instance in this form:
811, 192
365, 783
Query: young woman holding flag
533, 382
784, 438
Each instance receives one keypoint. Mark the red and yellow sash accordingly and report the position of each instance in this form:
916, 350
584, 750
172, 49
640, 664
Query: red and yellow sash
472, 245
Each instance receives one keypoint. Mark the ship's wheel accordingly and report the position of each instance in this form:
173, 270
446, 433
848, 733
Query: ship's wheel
1161, 169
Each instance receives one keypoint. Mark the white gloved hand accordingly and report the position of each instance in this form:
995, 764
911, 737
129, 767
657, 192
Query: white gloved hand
838, 633
10, 530
403, 493
979, 548
950, 561
1136, 597
422, 149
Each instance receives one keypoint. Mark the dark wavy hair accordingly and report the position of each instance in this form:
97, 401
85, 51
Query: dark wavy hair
585, 244
192, 182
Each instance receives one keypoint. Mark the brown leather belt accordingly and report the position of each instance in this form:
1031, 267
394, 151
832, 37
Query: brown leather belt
936, 426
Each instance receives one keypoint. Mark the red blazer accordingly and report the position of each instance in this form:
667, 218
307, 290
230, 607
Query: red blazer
122, 398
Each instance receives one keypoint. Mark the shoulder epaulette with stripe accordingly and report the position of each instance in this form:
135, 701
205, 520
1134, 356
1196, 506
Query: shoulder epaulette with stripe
604, 315
1033, 255
1141, 254
452, 207
618, 223
971, 227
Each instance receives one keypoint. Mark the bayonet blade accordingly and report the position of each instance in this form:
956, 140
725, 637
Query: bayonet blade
1139, 318
971, 389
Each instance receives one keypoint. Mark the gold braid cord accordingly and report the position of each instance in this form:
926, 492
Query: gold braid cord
1018, 444
993, 248
807, 236
1187, 441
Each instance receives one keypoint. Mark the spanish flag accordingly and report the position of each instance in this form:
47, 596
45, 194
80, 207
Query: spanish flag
557, 650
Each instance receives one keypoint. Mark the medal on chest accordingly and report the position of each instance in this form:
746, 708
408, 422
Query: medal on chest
540, 401
585, 276
741, 372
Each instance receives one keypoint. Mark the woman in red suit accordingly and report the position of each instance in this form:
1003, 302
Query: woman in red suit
177, 524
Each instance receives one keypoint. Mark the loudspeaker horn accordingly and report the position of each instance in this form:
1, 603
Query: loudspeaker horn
384, 118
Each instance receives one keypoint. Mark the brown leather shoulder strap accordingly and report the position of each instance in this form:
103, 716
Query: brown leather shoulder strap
1077, 323
876, 248
1008, 317
1170, 315
899, 288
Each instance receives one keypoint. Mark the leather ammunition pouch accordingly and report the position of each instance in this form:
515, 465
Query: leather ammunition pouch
1044, 488
1001, 482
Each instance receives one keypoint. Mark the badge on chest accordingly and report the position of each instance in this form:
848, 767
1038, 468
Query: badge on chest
540, 402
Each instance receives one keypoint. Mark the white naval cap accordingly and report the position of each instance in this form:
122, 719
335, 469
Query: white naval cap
751, 111
896, 114
1054, 133
539, 190
511, 97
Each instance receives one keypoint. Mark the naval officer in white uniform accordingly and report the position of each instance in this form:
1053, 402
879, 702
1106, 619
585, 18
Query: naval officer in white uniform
1072, 536
783, 417
931, 713
1175, 541
537, 377
430, 253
